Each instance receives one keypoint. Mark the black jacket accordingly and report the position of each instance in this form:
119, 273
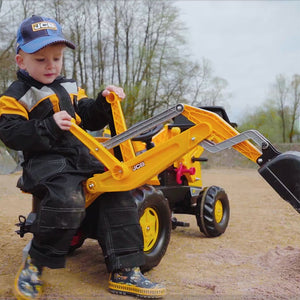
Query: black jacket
27, 124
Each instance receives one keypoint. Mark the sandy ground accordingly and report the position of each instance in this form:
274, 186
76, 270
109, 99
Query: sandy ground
258, 257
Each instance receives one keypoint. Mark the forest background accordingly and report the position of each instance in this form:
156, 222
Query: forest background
140, 45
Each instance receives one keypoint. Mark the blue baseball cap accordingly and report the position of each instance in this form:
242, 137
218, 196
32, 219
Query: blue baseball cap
38, 32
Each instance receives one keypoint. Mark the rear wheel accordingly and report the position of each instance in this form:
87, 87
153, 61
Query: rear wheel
213, 211
155, 221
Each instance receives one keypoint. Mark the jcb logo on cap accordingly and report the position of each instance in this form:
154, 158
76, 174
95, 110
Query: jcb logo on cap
43, 25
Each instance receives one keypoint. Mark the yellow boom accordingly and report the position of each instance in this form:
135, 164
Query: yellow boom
135, 171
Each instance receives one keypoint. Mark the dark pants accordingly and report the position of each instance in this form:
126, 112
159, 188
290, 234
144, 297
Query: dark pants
113, 218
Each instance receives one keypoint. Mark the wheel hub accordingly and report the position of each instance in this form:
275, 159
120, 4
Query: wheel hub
218, 211
150, 227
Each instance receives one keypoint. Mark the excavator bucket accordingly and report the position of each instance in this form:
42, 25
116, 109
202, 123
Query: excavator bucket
283, 174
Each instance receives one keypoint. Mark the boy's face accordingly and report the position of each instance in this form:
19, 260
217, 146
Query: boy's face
44, 65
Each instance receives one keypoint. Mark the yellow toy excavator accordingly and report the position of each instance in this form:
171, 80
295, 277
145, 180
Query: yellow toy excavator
160, 164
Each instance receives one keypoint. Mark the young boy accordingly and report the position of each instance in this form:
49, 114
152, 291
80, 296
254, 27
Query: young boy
35, 117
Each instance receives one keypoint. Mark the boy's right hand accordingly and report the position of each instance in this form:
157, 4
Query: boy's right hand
63, 120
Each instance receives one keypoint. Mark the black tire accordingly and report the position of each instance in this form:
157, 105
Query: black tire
213, 211
155, 220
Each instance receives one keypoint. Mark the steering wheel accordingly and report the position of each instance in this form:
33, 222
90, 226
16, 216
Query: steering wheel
146, 136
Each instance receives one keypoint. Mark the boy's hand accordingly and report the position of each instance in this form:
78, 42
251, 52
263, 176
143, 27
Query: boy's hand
63, 120
117, 90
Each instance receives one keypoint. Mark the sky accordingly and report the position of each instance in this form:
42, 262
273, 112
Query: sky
248, 43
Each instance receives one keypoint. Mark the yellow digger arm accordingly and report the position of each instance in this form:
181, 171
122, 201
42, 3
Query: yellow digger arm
135, 171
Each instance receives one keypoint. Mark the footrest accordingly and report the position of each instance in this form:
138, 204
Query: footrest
176, 223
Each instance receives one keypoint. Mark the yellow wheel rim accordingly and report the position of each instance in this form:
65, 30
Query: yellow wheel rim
150, 227
218, 211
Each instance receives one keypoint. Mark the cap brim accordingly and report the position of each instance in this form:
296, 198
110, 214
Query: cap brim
44, 41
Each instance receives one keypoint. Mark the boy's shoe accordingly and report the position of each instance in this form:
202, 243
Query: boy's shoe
131, 281
28, 284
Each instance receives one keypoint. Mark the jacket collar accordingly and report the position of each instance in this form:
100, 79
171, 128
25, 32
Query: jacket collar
24, 76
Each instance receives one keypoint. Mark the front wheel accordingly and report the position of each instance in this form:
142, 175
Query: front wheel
155, 221
213, 211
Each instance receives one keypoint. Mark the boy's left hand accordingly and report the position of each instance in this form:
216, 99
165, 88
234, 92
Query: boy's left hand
117, 90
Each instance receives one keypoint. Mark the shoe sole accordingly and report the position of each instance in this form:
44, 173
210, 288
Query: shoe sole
16, 291
125, 289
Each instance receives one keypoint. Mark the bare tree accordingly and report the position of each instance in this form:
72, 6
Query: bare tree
280, 95
137, 44
295, 103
